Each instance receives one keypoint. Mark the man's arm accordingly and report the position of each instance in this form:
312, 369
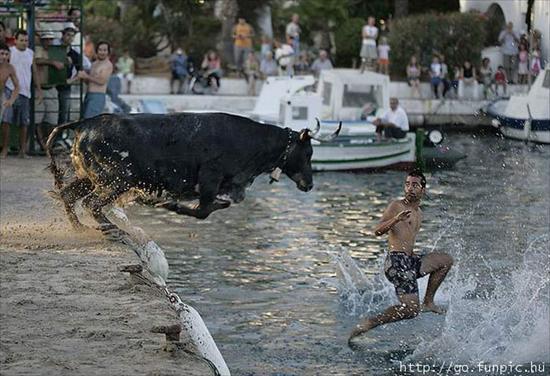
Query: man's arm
54, 63
37, 83
11, 100
390, 218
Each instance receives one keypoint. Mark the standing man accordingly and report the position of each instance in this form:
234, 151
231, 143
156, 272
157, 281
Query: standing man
242, 34
72, 67
368, 53
22, 59
46, 113
7, 97
126, 69
509, 41
401, 220
293, 31
97, 80
394, 123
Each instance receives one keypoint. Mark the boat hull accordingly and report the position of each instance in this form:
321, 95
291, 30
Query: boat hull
361, 153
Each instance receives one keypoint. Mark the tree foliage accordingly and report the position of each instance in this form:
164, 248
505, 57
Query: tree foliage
149, 26
458, 36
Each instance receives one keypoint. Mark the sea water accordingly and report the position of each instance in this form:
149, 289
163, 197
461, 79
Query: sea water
281, 278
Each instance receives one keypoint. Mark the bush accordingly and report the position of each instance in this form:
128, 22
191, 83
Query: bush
348, 42
458, 36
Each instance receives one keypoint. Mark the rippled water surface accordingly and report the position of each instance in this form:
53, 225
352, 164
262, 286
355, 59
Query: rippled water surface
274, 281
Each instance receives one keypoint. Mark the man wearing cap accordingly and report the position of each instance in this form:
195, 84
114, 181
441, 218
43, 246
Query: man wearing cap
46, 112
22, 59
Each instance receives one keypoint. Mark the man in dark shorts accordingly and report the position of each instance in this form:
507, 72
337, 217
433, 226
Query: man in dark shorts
401, 220
394, 123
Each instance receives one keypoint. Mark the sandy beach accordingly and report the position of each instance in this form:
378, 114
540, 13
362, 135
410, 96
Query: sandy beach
65, 309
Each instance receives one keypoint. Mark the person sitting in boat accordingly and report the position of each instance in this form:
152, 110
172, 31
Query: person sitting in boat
394, 123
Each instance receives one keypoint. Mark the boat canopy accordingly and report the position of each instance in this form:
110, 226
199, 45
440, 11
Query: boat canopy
273, 90
347, 92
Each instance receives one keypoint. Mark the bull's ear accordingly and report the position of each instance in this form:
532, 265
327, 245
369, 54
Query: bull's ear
304, 135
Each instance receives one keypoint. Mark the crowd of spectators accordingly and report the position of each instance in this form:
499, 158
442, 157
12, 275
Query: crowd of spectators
53, 66
521, 61
102, 73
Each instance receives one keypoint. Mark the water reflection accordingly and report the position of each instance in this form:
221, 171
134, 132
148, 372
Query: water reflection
260, 272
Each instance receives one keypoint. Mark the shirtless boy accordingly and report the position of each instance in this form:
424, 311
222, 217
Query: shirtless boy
7, 97
401, 220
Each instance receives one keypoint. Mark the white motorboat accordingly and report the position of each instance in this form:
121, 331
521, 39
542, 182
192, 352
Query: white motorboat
341, 96
525, 117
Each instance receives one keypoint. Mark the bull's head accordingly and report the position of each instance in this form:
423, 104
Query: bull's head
298, 163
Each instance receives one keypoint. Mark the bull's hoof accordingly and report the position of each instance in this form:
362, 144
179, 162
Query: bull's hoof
221, 204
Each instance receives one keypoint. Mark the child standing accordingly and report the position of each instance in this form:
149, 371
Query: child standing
536, 64
384, 56
523, 66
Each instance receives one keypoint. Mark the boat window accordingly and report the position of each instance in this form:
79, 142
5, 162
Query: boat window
546, 82
299, 113
327, 89
360, 95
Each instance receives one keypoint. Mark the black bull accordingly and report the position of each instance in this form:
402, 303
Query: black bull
180, 156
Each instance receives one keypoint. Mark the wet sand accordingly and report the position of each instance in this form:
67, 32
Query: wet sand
65, 309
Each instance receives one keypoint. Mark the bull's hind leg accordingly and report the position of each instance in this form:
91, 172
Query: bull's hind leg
94, 203
69, 195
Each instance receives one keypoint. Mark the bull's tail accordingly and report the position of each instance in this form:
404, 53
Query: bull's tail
56, 171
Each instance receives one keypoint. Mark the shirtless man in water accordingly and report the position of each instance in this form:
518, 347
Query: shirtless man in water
401, 220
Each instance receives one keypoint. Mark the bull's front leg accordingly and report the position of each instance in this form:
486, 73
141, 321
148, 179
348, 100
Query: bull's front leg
209, 184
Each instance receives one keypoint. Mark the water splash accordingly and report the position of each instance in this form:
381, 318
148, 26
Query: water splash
361, 294
508, 324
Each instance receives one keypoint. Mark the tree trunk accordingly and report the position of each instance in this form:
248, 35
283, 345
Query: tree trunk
228, 17
401, 8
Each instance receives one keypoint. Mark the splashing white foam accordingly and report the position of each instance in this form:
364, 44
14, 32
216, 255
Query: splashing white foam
510, 324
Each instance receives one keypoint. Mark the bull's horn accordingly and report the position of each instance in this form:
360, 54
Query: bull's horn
331, 137
317, 128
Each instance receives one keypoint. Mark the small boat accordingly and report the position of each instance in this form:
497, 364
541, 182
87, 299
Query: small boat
342, 95
525, 117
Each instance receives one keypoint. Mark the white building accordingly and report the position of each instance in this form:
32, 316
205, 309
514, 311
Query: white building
516, 12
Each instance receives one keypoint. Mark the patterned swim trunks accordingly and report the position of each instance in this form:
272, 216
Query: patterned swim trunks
403, 270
